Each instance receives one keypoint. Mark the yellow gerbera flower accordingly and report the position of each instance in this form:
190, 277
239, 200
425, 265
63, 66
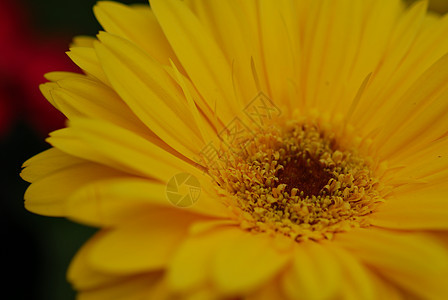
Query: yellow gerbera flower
254, 149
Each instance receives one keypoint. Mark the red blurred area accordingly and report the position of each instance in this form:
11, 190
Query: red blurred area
25, 56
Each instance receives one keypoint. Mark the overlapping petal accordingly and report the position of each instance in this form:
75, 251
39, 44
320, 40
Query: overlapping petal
200, 56
110, 202
142, 244
403, 258
422, 209
127, 22
48, 194
122, 149
314, 273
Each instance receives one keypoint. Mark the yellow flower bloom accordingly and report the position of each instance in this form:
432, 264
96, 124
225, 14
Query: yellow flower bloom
259, 149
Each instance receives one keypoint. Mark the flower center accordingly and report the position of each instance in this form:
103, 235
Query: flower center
304, 173
294, 180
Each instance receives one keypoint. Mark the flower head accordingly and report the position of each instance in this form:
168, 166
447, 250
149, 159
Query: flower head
254, 150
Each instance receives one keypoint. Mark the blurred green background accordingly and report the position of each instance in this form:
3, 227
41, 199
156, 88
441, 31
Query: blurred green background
37, 249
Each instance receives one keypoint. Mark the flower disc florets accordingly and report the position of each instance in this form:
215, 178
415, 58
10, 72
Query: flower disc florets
295, 180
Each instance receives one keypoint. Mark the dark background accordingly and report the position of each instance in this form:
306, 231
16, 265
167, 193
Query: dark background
37, 250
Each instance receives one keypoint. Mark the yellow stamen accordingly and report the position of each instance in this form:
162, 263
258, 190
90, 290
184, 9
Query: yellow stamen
294, 180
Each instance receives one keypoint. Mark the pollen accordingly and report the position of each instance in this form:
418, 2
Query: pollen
295, 180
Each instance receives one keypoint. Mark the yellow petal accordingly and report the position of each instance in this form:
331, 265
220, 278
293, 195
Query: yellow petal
234, 34
395, 76
199, 54
136, 25
246, 262
406, 252
81, 274
423, 209
55, 76
315, 273
48, 194
418, 117
142, 244
189, 90
138, 287
87, 60
384, 289
399, 33
47, 162
207, 132
190, 267
428, 287
203, 293
150, 93
83, 41
328, 71
270, 291
426, 165
356, 282
405, 32
110, 202
117, 147
208, 225
46, 89
94, 284
84, 97
278, 51
404, 258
